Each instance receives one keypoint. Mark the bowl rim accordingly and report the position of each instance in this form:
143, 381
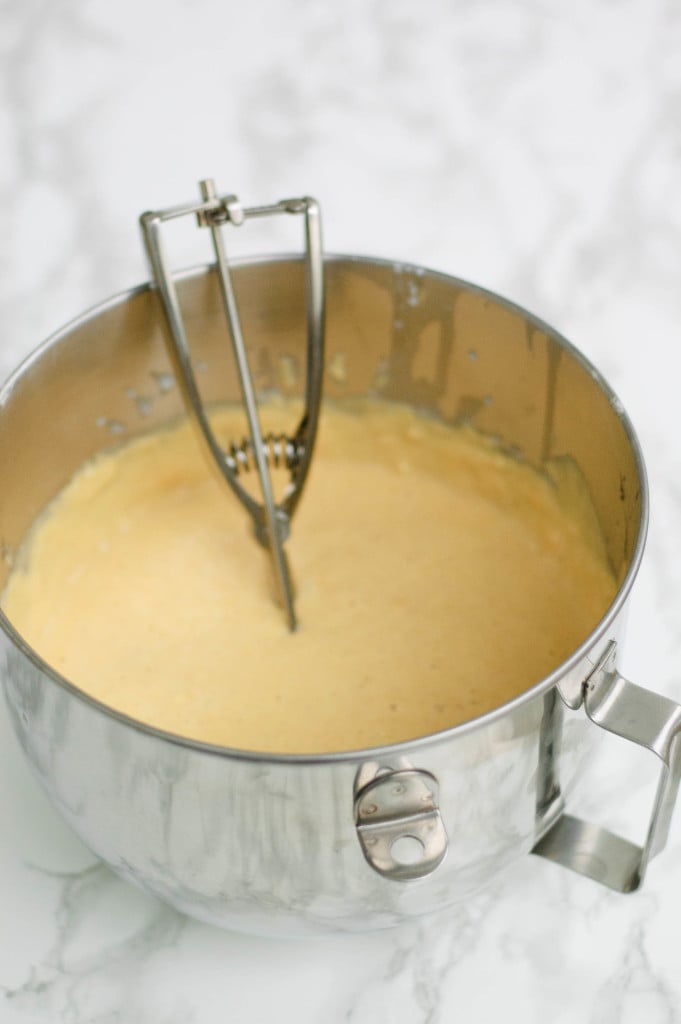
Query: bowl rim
419, 743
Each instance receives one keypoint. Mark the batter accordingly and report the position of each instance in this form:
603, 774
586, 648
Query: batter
436, 578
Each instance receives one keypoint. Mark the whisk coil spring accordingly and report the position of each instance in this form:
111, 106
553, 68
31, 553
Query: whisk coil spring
279, 450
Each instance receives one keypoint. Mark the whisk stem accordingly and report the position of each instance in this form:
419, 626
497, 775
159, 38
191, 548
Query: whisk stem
273, 526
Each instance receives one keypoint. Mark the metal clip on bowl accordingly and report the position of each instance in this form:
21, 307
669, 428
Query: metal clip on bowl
271, 521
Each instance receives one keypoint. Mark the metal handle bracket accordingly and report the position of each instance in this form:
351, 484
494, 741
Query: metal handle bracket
651, 721
399, 825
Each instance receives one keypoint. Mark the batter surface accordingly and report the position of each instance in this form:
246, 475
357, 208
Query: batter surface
436, 579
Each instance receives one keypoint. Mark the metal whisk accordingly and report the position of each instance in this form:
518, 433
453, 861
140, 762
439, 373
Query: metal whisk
271, 520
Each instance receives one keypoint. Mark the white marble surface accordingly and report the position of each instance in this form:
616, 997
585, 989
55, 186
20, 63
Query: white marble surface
531, 146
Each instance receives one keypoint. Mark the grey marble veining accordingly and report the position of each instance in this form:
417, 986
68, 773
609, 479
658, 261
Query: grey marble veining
529, 147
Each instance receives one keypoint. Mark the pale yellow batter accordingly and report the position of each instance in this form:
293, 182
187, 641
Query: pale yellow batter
436, 579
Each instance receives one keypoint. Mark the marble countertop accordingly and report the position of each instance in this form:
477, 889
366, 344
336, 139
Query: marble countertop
532, 147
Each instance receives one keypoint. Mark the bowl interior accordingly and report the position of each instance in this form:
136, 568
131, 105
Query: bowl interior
394, 332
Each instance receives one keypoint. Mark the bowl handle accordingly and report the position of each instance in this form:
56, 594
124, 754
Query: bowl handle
651, 721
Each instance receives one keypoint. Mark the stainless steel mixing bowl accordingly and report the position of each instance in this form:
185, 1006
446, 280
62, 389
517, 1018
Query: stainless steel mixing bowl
363, 839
